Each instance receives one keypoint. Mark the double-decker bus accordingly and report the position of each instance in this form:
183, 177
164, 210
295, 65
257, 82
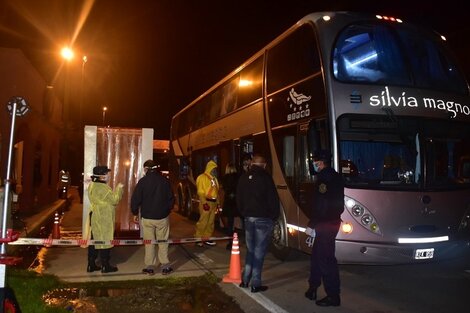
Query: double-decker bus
384, 96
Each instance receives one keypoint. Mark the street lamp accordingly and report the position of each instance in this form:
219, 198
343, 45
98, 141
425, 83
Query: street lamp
104, 115
67, 54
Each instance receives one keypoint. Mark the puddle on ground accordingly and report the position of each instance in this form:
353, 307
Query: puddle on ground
189, 298
79, 299
59, 295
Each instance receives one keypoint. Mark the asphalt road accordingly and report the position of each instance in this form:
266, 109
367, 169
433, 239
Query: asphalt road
421, 288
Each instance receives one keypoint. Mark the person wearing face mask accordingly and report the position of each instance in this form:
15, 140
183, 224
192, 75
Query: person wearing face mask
103, 202
328, 204
208, 193
258, 203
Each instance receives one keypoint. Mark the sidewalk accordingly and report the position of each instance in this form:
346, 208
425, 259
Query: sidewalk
69, 263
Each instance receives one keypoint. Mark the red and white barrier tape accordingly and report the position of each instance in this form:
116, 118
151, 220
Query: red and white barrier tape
115, 242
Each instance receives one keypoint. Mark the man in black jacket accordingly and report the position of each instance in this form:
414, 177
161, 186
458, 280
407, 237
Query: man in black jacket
153, 197
328, 204
258, 203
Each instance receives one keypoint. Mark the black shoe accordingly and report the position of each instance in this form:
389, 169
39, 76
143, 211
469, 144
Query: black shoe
228, 246
259, 288
329, 301
243, 285
148, 271
108, 268
311, 293
92, 267
167, 270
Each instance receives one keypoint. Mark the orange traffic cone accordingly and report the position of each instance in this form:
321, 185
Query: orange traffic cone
56, 227
234, 275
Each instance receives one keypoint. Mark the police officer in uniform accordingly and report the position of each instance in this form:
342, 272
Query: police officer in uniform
328, 204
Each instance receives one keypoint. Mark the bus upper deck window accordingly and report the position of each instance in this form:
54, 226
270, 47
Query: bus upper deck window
394, 54
368, 54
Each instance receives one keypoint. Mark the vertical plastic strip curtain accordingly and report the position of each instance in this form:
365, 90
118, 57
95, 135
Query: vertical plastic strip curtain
120, 149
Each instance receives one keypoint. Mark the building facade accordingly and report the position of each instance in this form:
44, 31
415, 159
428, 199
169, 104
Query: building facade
37, 135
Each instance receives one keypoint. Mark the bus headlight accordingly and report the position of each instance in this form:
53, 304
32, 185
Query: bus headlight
357, 210
366, 219
362, 216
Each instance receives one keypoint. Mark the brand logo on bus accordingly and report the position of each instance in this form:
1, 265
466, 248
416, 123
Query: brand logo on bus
386, 99
298, 105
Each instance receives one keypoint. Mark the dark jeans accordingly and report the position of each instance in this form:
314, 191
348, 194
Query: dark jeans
258, 232
323, 264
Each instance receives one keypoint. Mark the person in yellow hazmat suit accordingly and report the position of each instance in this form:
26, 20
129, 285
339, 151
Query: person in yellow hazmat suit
103, 202
207, 191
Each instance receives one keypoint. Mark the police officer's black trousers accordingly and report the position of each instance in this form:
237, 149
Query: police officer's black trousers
323, 264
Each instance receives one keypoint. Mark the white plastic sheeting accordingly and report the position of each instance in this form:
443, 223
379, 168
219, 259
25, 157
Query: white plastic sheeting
124, 151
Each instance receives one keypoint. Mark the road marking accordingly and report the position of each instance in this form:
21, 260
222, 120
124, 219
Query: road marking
263, 301
204, 259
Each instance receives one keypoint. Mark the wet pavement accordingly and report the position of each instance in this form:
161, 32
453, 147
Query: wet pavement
69, 263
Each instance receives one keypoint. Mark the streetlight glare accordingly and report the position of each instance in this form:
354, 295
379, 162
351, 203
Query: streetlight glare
67, 53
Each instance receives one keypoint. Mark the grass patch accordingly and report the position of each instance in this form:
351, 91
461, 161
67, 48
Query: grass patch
28, 287
166, 295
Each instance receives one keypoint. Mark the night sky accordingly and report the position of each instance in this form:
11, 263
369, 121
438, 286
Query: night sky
148, 59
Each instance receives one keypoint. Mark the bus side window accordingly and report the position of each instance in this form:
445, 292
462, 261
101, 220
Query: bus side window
293, 59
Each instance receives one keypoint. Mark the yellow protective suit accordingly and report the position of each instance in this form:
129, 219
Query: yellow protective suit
208, 192
103, 202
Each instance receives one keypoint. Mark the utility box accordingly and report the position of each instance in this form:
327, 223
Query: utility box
124, 151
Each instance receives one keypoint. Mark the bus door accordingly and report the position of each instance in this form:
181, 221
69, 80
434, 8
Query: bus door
305, 186
292, 151
226, 155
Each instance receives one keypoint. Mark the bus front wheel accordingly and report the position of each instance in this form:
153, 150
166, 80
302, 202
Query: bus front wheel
279, 245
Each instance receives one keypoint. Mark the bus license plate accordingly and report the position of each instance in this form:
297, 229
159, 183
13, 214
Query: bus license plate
421, 254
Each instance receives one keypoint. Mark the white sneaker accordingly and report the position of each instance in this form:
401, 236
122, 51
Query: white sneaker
210, 243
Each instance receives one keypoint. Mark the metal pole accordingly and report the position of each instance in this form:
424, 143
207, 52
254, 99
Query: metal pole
82, 96
7, 180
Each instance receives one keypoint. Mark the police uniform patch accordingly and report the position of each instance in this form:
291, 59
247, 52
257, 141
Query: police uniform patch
322, 188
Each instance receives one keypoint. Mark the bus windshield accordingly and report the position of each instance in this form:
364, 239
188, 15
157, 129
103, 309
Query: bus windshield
404, 153
394, 54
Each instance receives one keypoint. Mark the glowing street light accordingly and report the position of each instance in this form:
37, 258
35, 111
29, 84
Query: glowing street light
67, 53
